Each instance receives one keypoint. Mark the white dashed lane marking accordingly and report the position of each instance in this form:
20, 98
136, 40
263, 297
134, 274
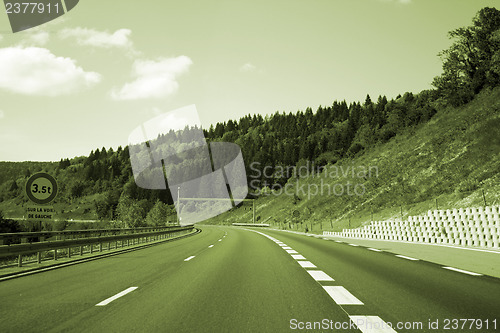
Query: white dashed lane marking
339, 294
211, 246
342, 296
189, 258
462, 271
405, 257
371, 324
320, 275
376, 250
298, 257
112, 298
306, 264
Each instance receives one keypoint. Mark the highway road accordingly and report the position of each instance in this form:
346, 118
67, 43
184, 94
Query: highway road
228, 279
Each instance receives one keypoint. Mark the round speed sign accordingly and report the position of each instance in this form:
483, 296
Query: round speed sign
41, 188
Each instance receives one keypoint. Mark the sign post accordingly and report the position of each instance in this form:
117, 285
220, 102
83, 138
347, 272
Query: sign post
41, 189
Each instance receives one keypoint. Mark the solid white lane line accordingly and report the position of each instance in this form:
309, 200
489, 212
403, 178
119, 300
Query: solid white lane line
376, 250
320, 276
353, 244
211, 245
341, 295
462, 271
339, 241
112, 298
292, 251
286, 248
298, 257
189, 258
306, 264
405, 257
371, 324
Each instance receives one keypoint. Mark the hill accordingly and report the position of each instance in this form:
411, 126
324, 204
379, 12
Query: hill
448, 162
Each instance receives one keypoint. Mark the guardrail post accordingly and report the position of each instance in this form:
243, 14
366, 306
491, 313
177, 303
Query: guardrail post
91, 248
39, 257
19, 260
109, 246
100, 247
69, 252
55, 254
81, 250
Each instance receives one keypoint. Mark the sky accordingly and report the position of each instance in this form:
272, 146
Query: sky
88, 78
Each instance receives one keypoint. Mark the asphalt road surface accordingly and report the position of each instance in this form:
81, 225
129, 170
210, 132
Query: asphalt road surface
229, 279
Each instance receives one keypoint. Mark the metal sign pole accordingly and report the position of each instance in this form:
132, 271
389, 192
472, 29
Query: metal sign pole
253, 210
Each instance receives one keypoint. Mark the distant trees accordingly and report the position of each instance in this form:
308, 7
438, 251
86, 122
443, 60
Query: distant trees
131, 212
472, 62
160, 214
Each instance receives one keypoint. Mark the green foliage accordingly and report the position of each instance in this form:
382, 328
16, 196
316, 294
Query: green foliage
131, 213
472, 62
160, 215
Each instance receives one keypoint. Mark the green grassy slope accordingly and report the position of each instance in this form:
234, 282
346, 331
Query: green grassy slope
448, 162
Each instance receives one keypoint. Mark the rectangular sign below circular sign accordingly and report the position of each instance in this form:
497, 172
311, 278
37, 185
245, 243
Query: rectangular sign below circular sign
40, 213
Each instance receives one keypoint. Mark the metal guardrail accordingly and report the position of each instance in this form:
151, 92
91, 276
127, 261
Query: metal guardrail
40, 236
128, 237
250, 224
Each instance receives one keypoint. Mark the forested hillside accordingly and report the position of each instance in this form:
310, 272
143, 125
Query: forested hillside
101, 185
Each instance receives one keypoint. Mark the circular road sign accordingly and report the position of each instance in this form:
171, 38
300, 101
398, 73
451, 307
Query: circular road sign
41, 188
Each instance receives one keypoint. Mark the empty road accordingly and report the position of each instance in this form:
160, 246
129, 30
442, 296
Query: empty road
229, 279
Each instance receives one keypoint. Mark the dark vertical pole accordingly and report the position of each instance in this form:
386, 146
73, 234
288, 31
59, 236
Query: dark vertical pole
484, 198
253, 210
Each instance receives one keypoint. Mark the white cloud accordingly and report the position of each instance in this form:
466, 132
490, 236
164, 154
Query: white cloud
153, 79
248, 67
34, 37
90, 37
39, 37
2, 114
36, 71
